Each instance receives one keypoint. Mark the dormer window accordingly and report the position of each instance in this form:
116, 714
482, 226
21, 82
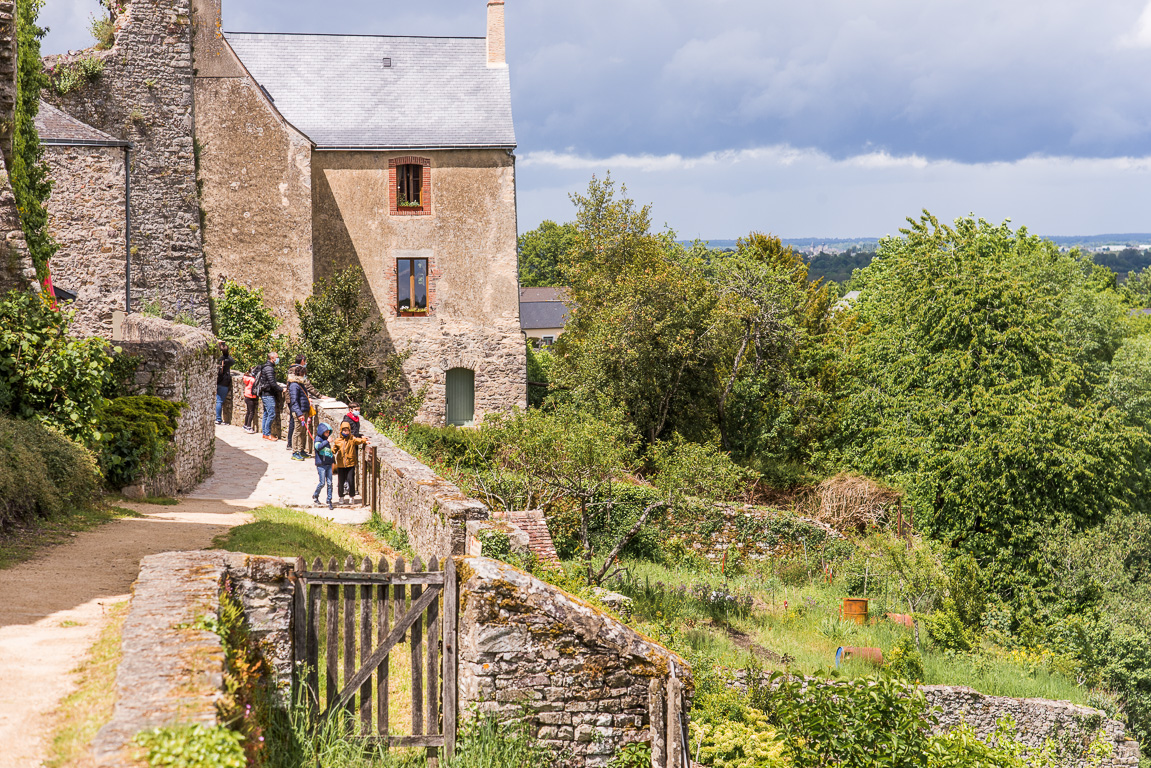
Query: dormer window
411, 187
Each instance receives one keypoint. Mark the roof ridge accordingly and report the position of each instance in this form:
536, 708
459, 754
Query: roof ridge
353, 34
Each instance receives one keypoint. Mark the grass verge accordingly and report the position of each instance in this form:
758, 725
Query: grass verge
21, 543
84, 711
280, 532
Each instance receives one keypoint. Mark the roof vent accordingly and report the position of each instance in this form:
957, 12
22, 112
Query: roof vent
387, 62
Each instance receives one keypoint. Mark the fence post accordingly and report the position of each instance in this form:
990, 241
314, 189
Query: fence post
674, 737
656, 724
450, 624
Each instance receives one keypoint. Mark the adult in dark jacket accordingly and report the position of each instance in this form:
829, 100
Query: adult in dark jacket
301, 406
223, 381
268, 388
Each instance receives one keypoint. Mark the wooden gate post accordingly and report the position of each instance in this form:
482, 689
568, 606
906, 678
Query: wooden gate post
674, 736
657, 724
451, 626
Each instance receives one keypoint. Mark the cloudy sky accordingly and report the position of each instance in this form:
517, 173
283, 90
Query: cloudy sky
833, 118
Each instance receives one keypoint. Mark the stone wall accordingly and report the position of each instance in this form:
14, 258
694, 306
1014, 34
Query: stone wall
255, 173
171, 671
86, 217
144, 95
1069, 728
177, 363
585, 679
16, 268
469, 240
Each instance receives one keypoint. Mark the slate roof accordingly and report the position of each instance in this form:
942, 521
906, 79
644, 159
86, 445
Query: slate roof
543, 294
60, 128
439, 92
543, 314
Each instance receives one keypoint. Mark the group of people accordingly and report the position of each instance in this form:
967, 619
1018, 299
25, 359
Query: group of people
261, 384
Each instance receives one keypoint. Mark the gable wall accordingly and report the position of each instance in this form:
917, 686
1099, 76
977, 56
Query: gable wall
470, 241
255, 178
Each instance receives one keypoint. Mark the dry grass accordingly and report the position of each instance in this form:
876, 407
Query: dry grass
852, 504
84, 711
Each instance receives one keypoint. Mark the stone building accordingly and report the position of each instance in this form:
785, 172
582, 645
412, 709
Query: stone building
393, 154
16, 269
86, 216
277, 159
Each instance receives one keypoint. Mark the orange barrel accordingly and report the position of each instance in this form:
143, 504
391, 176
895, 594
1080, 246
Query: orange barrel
855, 609
870, 655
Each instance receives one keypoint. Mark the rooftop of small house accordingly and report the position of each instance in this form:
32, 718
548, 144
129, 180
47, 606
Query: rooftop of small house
383, 92
543, 308
59, 128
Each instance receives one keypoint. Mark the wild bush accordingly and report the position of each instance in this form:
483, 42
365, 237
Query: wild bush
42, 472
136, 438
246, 324
47, 374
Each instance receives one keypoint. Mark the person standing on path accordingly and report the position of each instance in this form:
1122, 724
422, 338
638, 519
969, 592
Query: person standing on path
345, 449
250, 399
352, 419
268, 388
300, 371
223, 381
324, 460
301, 407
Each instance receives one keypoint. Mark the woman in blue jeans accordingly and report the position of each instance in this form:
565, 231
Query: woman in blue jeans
223, 381
268, 388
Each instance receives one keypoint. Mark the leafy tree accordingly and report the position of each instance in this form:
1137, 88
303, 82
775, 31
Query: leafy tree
47, 374
247, 324
29, 173
639, 338
345, 351
541, 252
970, 387
540, 363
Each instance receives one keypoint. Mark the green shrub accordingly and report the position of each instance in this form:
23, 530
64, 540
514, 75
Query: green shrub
485, 742
103, 31
634, 755
193, 746
246, 324
452, 446
904, 661
946, 629
750, 743
136, 438
45, 373
540, 362
42, 472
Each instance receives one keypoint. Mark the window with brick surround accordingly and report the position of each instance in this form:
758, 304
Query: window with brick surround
410, 188
411, 285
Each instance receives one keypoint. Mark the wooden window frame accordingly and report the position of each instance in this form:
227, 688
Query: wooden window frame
426, 309
395, 173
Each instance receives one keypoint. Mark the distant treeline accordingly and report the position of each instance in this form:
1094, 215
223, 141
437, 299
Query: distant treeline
837, 267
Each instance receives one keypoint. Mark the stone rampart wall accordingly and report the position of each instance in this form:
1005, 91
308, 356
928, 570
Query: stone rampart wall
172, 672
584, 678
177, 363
144, 95
86, 217
1068, 728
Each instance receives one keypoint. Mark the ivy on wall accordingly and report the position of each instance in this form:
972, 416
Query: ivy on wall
29, 172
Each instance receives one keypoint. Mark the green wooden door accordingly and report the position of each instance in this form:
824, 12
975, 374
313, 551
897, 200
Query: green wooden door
461, 396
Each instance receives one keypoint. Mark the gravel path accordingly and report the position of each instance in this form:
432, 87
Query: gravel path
54, 605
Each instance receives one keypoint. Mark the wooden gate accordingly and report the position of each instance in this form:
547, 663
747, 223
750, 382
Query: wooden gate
369, 611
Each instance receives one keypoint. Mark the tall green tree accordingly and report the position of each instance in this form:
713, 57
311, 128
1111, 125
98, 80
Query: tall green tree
29, 173
542, 250
972, 383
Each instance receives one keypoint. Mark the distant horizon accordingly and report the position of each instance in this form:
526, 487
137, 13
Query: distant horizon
1106, 238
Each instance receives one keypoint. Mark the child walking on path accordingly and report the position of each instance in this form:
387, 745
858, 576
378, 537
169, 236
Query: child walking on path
324, 461
250, 399
345, 448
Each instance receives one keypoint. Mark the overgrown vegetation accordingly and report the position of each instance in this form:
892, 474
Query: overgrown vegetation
246, 324
43, 474
29, 172
136, 438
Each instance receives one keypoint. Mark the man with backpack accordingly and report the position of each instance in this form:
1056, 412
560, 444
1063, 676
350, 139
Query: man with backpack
268, 388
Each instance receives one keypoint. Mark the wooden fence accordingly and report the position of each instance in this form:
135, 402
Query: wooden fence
370, 610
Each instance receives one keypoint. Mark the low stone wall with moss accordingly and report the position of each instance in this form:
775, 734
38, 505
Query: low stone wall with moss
587, 683
172, 666
1066, 730
177, 363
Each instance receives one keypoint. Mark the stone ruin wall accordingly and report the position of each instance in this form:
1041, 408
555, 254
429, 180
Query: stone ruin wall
145, 95
86, 217
587, 683
1069, 727
177, 363
16, 268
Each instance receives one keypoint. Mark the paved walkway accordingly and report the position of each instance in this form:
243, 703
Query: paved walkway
249, 471
55, 605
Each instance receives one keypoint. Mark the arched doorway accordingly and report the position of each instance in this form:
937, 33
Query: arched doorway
461, 396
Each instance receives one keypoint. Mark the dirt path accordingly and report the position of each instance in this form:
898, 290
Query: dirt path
53, 606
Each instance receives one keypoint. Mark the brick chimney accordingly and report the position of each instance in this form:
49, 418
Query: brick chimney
496, 54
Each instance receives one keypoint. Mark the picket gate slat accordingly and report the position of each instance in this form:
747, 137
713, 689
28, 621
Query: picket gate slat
383, 625
332, 677
366, 649
415, 640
